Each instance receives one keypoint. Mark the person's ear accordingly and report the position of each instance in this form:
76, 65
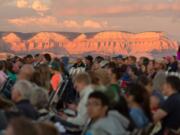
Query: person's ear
105, 108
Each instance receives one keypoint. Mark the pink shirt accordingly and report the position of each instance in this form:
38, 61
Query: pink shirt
3, 78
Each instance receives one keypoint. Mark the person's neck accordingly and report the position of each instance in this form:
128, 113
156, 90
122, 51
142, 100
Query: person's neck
113, 81
100, 117
134, 105
133, 77
56, 72
171, 93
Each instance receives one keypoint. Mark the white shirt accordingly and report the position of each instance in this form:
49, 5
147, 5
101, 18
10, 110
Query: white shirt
82, 116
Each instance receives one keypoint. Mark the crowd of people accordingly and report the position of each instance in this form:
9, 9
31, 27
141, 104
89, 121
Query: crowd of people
119, 95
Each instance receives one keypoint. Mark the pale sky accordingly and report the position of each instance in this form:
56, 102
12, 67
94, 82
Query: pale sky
91, 15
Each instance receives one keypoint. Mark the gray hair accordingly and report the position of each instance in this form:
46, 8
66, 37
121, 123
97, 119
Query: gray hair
39, 98
24, 88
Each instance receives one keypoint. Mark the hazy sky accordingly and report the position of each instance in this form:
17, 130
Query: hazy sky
91, 15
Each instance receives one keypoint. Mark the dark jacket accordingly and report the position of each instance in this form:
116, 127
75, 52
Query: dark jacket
26, 109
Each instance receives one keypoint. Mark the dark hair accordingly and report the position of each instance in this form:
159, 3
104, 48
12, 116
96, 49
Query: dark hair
145, 61
117, 73
22, 126
133, 58
134, 70
28, 56
9, 66
123, 68
144, 80
46, 129
47, 57
101, 96
141, 97
174, 82
98, 59
90, 58
61, 65
37, 55
2, 65
122, 107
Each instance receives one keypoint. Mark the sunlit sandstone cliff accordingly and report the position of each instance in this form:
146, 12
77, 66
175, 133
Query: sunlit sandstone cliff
119, 42
15, 42
103, 42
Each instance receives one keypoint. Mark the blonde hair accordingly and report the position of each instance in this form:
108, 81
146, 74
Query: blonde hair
83, 77
102, 77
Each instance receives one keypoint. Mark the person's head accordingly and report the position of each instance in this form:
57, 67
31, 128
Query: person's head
9, 66
146, 62
22, 90
29, 59
39, 98
137, 95
17, 66
117, 59
97, 61
97, 106
79, 60
38, 57
114, 72
159, 64
140, 62
171, 85
125, 61
21, 126
81, 81
47, 58
42, 76
26, 72
55, 66
146, 82
102, 77
45, 128
2, 65
132, 71
172, 59
89, 60
132, 60
150, 65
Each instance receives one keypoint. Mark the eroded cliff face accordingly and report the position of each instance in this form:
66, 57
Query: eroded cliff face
120, 42
15, 43
102, 43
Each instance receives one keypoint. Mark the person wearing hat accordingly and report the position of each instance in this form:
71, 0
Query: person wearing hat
56, 74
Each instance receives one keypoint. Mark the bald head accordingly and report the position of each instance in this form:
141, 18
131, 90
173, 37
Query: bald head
26, 72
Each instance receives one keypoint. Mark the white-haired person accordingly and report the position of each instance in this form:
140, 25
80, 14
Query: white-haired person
39, 99
21, 94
